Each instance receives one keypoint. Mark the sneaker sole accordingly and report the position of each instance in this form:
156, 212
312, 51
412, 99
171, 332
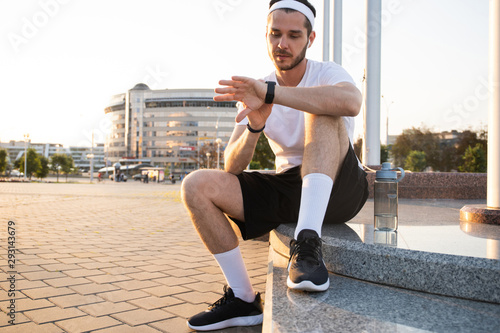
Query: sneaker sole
307, 285
238, 321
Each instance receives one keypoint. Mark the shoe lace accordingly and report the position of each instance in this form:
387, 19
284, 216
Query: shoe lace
307, 249
223, 300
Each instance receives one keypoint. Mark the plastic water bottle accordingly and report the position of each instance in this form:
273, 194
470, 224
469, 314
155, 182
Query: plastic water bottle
386, 198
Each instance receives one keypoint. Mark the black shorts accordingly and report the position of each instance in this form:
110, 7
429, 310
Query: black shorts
273, 199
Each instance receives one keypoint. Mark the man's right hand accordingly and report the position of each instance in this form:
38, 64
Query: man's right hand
256, 118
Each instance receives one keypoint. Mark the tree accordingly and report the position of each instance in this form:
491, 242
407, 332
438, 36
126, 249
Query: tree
416, 161
60, 162
474, 159
420, 140
68, 167
3, 160
263, 157
32, 165
384, 150
43, 171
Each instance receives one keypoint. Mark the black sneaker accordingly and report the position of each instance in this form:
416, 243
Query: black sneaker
227, 312
306, 269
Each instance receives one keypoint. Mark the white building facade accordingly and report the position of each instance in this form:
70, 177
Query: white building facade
174, 128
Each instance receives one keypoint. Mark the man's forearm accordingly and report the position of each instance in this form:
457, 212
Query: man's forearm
343, 99
239, 151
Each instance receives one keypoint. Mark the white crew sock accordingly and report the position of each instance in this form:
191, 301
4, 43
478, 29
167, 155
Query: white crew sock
235, 272
316, 190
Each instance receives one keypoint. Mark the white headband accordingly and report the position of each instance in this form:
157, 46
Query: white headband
300, 7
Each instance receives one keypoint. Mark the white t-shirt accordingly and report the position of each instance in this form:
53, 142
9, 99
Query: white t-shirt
285, 126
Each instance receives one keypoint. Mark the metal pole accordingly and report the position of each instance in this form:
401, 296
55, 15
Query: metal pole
337, 31
92, 159
493, 195
326, 31
371, 155
26, 137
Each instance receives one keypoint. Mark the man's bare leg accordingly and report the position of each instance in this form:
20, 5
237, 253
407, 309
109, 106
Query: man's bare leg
208, 195
326, 145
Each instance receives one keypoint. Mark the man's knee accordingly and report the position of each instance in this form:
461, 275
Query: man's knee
202, 184
192, 185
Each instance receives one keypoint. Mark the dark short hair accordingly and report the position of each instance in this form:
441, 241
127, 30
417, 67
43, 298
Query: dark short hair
307, 24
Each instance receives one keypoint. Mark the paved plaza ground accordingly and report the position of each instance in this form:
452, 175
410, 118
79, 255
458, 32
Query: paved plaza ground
107, 257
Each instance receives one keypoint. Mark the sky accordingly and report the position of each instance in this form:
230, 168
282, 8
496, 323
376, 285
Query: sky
62, 60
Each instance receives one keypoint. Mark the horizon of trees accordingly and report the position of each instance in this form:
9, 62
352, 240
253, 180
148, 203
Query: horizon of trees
420, 149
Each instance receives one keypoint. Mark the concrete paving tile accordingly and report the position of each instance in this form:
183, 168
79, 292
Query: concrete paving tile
129, 329
54, 255
183, 272
47, 315
135, 284
38, 261
97, 265
74, 260
153, 302
75, 300
141, 316
196, 297
66, 282
120, 270
24, 284
210, 269
19, 318
188, 265
123, 295
32, 328
83, 272
173, 325
146, 275
25, 268
108, 278
156, 268
26, 304
86, 324
93, 288
186, 310
209, 277
206, 287
45, 292
163, 290
174, 281
60, 267
106, 308
131, 263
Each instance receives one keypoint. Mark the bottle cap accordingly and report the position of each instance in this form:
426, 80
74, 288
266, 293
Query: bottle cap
388, 173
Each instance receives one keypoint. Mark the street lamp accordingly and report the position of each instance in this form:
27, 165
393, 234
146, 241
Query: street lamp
218, 141
208, 160
26, 139
387, 119
91, 156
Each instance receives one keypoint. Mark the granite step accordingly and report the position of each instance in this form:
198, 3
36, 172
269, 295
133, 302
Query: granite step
432, 275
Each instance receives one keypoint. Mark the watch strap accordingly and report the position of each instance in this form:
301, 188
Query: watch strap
270, 92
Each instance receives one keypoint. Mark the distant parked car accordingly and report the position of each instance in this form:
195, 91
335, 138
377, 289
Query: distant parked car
123, 179
16, 173
137, 177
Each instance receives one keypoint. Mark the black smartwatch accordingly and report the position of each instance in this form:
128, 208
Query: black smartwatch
270, 92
